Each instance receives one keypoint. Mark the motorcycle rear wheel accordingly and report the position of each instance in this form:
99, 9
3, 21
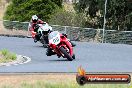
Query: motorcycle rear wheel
66, 54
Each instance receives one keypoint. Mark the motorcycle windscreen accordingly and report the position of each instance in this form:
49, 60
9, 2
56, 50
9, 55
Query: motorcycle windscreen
54, 37
45, 27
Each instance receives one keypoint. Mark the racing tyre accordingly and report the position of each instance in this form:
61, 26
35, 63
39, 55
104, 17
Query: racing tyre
66, 54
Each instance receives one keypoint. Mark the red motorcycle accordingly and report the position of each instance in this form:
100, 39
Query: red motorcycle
61, 45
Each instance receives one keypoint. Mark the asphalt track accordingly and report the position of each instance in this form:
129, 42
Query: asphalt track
92, 57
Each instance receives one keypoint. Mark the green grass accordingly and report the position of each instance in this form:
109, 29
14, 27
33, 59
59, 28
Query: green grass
6, 86
50, 85
7, 56
4, 52
42, 84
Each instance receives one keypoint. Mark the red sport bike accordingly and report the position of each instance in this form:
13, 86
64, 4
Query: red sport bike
61, 45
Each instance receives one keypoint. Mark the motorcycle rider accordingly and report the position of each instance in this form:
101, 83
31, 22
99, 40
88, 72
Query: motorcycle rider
34, 21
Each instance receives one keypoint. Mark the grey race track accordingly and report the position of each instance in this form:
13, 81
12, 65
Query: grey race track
92, 57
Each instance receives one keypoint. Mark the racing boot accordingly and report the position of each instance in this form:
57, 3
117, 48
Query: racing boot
49, 52
35, 40
37, 37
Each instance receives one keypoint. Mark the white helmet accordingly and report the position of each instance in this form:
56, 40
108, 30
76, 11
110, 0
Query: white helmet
34, 18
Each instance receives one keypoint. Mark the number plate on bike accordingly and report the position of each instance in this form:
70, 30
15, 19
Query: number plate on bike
56, 40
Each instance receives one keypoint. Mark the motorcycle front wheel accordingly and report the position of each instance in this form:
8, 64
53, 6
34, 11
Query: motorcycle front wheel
66, 54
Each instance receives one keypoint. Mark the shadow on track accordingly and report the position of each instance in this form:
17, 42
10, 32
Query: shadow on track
59, 60
39, 46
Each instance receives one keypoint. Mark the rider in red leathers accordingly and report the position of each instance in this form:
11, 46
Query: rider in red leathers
34, 21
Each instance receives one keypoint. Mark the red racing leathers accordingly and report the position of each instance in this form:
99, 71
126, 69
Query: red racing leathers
33, 25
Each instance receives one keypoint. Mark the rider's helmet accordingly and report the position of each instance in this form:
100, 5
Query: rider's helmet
34, 18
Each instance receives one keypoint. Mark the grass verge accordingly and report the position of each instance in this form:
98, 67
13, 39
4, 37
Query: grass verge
7, 56
50, 81
71, 85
